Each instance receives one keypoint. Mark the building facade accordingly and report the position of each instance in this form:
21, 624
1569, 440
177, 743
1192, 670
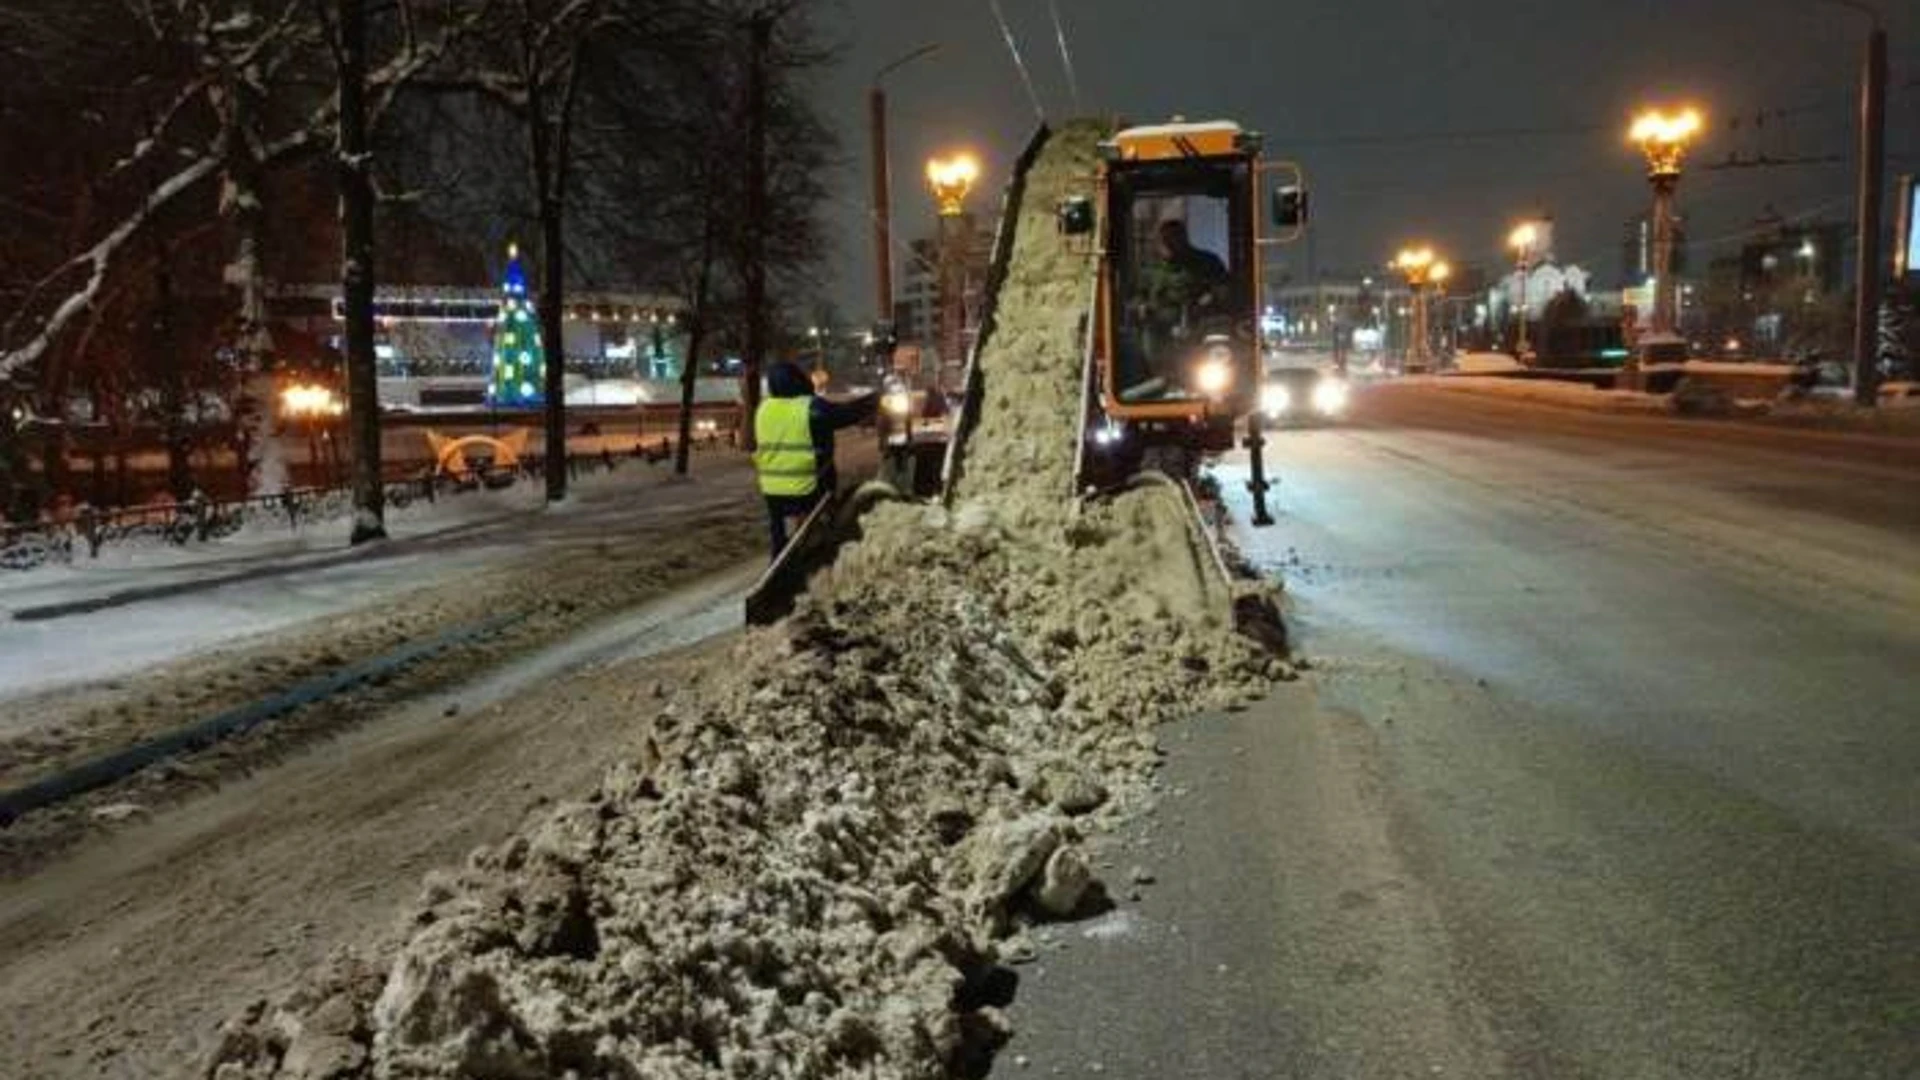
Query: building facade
917, 306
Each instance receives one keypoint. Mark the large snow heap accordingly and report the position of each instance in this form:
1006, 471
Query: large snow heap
819, 854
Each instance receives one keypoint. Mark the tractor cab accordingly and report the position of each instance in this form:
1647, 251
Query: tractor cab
1180, 287
1178, 231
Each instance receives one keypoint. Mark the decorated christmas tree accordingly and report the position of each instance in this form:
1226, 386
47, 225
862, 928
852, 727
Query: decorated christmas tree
519, 357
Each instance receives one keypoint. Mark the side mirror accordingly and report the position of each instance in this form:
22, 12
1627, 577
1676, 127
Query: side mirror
1075, 216
1289, 207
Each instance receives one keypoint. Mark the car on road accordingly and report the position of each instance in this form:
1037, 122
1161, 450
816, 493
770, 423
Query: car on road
1296, 397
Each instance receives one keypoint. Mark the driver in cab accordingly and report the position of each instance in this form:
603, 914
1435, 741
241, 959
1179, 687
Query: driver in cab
1185, 282
1183, 285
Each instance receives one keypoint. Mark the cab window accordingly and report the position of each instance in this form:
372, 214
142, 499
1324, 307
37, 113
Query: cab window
1181, 240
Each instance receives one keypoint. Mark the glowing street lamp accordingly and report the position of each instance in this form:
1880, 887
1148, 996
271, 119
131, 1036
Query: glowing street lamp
1663, 138
313, 406
951, 179
819, 338
1524, 239
1421, 268
304, 401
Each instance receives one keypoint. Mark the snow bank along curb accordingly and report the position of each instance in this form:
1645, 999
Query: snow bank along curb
822, 852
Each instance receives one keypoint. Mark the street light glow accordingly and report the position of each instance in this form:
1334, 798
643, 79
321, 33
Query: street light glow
1664, 137
310, 400
1654, 126
951, 179
1524, 237
1417, 263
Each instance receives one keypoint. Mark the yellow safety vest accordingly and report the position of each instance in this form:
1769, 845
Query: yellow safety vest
783, 446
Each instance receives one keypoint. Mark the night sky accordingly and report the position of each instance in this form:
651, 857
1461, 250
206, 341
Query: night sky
1414, 120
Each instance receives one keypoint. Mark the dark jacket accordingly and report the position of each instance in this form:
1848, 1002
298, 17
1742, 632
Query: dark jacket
824, 417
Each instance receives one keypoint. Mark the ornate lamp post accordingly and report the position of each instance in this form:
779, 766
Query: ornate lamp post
1663, 138
1524, 239
951, 179
819, 339
1420, 268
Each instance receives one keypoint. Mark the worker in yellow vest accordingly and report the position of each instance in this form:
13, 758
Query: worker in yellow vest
793, 445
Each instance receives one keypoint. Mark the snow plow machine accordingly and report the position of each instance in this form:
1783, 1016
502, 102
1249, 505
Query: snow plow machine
1160, 237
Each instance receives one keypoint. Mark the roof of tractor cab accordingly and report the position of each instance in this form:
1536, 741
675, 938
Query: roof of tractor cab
1181, 139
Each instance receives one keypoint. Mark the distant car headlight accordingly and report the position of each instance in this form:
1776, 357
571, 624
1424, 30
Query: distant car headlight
1215, 373
1330, 397
1275, 399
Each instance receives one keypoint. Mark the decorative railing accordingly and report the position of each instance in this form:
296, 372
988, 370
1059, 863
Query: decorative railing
87, 531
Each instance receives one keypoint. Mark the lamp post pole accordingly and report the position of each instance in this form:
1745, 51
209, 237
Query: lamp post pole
951, 179
1522, 240
1873, 136
1420, 269
1663, 139
882, 207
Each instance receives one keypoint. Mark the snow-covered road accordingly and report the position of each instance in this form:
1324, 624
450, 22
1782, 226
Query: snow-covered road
1605, 768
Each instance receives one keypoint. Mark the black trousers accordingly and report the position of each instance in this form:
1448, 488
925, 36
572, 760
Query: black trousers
782, 507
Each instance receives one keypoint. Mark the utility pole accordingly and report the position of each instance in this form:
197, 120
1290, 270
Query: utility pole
760, 30
356, 226
882, 205
1873, 135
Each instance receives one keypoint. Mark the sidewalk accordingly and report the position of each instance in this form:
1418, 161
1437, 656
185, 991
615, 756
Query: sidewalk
141, 605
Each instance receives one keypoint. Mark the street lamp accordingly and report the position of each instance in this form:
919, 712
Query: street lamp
1421, 268
951, 179
882, 208
1663, 138
1524, 239
314, 407
819, 337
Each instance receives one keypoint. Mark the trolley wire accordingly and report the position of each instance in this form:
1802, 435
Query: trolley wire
1013, 47
1066, 54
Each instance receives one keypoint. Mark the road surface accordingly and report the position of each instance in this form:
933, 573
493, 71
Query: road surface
1607, 765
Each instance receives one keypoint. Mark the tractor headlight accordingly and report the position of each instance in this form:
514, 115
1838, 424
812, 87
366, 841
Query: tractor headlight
1275, 400
1329, 397
1215, 373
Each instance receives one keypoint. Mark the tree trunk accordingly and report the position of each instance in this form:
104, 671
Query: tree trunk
549, 153
761, 30
253, 341
696, 335
173, 394
696, 332
356, 219
552, 296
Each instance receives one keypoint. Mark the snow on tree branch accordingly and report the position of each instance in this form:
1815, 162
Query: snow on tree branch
97, 259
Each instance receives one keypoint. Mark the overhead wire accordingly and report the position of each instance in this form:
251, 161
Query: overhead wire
1013, 47
1066, 54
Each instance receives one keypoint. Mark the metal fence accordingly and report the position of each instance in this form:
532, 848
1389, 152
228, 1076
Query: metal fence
198, 520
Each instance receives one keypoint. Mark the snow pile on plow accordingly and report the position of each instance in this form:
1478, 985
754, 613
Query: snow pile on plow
814, 868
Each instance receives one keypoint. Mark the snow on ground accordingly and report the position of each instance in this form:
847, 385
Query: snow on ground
1577, 395
1486, 363
160, 602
